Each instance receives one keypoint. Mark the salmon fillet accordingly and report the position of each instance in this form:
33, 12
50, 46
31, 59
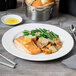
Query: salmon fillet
26, 44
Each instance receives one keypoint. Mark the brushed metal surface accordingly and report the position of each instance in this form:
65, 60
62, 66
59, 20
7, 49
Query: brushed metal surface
39, 14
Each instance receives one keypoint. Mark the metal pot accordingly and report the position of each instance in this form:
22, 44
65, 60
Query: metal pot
35, 13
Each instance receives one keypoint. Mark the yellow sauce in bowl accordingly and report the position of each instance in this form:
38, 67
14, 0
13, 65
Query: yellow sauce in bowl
11, 21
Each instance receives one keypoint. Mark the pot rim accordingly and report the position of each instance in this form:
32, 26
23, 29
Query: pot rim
40, 7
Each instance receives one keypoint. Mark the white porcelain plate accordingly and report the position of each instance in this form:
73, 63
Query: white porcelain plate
11, 16
8, 37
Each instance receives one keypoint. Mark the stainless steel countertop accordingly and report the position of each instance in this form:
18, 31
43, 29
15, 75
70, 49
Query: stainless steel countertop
30, 68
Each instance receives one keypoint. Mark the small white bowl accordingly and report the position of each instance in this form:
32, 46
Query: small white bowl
11, 16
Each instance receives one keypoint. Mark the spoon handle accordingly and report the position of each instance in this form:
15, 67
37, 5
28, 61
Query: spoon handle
11, 66
74, 36
8, 59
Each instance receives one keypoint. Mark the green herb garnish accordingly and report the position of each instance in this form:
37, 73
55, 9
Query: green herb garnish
43, 33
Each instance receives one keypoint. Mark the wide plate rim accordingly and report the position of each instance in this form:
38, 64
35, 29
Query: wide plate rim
35, 59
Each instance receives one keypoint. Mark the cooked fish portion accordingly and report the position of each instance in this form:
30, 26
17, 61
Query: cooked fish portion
23, 39
26, 44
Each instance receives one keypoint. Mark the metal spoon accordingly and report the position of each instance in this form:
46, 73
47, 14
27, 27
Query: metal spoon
72, 30
11, 66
